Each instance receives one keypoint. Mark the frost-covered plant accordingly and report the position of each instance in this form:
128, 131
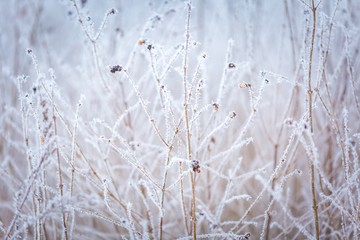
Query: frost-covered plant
179, 120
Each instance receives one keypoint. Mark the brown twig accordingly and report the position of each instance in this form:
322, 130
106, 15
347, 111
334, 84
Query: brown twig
310, 120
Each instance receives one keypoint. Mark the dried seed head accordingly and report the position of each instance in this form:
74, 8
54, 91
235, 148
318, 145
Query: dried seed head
116, 68
112, 11
195, 166
232, 65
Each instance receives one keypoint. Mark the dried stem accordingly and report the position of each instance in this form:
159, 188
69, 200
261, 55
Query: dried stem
72, 163
310, 120
186, 112
163, 188
60, 175
93, 39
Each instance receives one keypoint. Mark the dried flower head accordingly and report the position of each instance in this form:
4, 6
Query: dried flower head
195, 166
116, 68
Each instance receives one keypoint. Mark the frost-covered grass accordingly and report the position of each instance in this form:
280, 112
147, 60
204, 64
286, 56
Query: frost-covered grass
179, 120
